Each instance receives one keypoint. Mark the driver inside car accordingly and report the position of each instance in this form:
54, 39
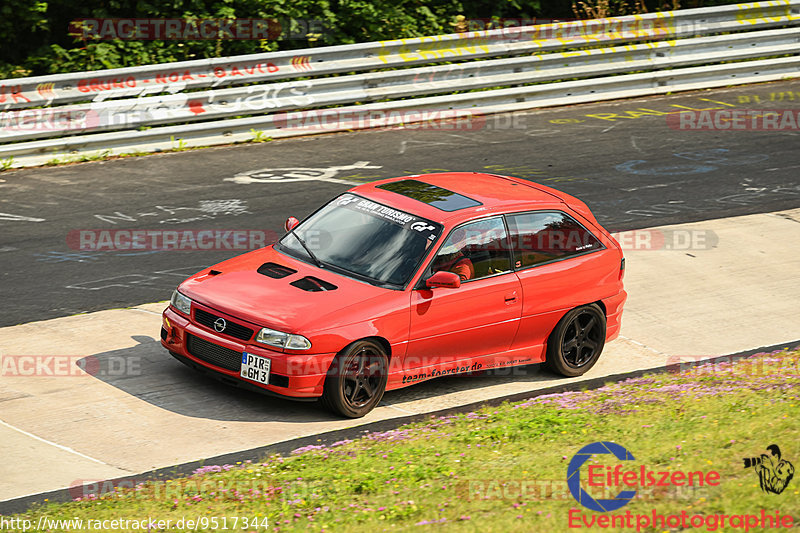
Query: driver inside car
451, 257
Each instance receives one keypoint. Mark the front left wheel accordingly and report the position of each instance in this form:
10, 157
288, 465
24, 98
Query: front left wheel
356, 380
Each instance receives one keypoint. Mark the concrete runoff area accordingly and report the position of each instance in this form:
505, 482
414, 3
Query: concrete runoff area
728, 286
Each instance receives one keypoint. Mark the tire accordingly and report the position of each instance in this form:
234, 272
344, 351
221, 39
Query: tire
356, 380
577, 341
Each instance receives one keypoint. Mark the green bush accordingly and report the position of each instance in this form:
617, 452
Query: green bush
36, 35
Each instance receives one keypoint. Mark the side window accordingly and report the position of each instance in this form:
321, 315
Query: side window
547, 236
475, 250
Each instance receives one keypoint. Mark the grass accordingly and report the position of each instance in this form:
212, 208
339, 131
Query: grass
465, 472
178, 145
259, 136
82, 158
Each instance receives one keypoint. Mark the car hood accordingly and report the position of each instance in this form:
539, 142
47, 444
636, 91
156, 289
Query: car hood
236, 287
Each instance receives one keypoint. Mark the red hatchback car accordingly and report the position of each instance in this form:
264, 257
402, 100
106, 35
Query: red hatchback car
402, 280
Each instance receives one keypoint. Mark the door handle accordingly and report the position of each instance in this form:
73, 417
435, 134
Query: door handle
511, 297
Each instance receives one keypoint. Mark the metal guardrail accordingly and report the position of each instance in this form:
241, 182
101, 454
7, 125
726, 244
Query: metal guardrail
112, 115
119, 102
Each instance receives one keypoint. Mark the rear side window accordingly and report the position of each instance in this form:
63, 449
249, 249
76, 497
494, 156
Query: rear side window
544, 236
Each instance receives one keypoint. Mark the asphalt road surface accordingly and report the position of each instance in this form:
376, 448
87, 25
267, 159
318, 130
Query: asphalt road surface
628, 160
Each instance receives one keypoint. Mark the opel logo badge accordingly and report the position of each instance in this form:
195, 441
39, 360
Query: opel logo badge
220, 324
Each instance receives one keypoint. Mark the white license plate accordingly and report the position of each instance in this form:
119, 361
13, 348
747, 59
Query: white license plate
255, 368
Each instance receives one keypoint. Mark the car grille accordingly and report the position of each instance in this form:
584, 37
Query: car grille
224, 358
213, 353
231, 328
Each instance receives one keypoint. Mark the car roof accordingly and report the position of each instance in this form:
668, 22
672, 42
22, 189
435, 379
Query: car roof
496, 194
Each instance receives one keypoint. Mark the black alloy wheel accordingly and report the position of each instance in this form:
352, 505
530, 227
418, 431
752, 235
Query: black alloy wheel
356, 380
577, 341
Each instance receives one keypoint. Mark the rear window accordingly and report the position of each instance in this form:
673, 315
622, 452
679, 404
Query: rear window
545, 236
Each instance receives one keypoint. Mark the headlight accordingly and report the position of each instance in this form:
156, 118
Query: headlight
181, 303
282, 340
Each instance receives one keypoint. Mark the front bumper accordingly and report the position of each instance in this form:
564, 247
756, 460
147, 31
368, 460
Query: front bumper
298, 376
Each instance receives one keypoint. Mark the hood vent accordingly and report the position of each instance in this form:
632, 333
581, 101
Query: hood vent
312, 284
274, 270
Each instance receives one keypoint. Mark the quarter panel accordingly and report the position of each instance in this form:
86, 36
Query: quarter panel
550, 290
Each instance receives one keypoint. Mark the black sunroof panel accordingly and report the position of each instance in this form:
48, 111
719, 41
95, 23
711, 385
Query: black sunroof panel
437, 197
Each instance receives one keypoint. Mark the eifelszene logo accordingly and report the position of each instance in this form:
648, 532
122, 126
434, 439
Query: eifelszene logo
774, 472
574, 477
617, 477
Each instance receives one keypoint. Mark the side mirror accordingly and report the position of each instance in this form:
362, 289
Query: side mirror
443, 278
290, 223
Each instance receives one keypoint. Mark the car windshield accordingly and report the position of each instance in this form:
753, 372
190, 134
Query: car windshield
363, 239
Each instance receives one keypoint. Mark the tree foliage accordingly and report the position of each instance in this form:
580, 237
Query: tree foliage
37, 40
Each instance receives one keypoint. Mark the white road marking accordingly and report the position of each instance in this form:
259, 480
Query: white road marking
610, 127
145, 311
654, 186
51, 443
293, 174
646, 347
399, 409
19, 218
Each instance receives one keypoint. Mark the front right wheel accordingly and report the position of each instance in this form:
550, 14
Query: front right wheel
356, 380
577, 340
